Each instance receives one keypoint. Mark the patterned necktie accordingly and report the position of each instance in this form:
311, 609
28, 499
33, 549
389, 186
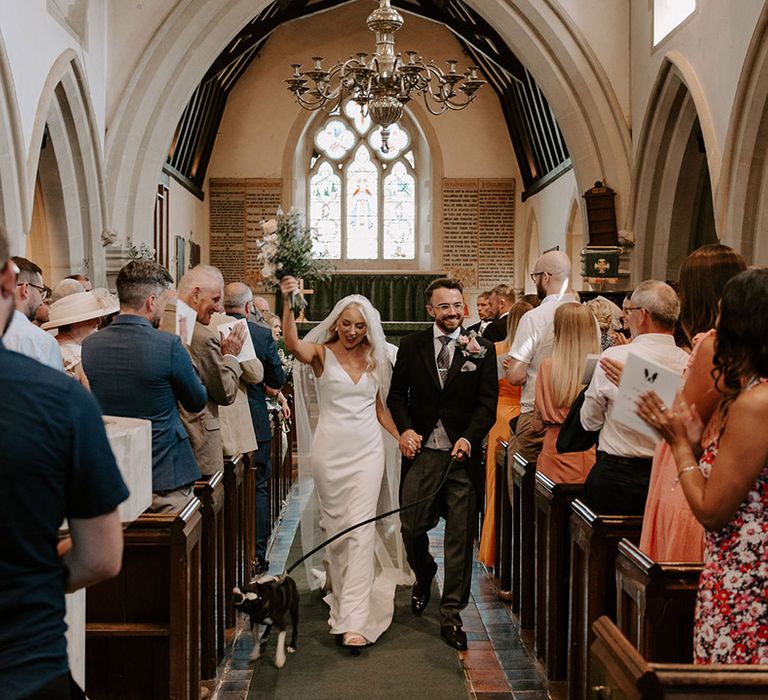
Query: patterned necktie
442, 358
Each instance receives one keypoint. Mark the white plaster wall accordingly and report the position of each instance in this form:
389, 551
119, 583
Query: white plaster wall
713, 41
611, 47
552, 207
187, 217
260, 112
33, 41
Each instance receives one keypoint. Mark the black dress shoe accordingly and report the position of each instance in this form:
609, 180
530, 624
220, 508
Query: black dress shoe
420, 595
454, 637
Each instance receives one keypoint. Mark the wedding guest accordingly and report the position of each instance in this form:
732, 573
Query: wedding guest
608, 317
443, 413
618, 483
532, 299
533, 342
22, 335
501, 300
138, 372
346, 368
239, 303
726, 484
215, 358
483, 313
507, 408
56, 464
41, 315
64, 288
558, 383
76, 317
670, 530
82, 279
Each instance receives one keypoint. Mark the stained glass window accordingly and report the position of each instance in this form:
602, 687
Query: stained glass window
362, 202
335, 139
325, 211
399, 214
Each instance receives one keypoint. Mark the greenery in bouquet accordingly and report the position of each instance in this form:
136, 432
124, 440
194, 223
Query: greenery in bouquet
286, 249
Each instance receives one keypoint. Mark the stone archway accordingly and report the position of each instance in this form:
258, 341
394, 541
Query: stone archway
742, 194
193, 33
67, 188
672, 208
14, 205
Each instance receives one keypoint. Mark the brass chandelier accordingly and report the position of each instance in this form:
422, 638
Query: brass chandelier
383, 83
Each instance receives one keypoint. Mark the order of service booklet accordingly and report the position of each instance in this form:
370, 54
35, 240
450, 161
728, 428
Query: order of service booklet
640, 375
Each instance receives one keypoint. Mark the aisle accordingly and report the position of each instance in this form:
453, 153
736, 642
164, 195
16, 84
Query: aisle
409, 661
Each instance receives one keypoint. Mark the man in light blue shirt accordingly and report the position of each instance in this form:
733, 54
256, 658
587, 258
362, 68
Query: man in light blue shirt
22, 335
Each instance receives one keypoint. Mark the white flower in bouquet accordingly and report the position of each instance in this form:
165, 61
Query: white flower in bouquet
286, 249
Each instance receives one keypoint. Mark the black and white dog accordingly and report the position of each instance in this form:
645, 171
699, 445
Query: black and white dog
269, 600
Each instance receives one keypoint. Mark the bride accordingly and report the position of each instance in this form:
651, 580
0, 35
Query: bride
349, 460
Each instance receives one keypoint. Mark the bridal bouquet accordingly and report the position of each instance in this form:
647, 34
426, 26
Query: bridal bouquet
286, 249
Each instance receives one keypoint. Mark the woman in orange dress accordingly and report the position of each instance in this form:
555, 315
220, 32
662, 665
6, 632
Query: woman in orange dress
558, 383
670, 530
507, 408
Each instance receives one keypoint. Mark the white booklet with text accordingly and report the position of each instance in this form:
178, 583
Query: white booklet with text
224, 324
640, 375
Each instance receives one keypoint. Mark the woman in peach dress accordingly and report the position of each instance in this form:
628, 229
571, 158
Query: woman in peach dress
558, 383
670, 530
507, 408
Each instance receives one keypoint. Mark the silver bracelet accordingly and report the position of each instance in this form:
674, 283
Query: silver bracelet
684, 470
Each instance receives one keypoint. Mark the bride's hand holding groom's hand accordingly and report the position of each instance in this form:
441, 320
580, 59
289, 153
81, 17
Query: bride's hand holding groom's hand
410, 443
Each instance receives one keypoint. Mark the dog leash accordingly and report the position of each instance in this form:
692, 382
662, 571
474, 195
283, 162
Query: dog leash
375, 517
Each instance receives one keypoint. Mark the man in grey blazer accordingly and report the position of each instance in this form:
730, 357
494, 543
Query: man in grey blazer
139, 372
215, 359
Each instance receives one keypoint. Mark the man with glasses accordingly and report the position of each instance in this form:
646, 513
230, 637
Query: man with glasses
24, 336
618, 483
533, 343
443, 400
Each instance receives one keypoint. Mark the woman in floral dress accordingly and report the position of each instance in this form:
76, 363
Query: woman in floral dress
727, 486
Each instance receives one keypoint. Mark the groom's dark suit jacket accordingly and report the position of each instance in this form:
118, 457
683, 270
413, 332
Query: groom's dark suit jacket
466, 403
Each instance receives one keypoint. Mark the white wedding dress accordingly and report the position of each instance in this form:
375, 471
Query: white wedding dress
347, 462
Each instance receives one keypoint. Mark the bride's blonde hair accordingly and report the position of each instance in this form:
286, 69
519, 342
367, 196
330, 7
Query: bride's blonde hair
333, 336
575, 338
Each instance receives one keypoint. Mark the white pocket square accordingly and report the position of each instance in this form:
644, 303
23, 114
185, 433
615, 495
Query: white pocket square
469, 367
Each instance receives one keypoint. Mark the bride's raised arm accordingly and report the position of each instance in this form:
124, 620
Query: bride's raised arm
308, 353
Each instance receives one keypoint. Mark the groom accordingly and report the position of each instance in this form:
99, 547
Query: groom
443, 399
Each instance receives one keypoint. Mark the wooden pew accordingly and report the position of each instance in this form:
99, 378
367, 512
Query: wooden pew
143, 627
618, 670
249, 486
523, 473
594, 545
503, 543
235, 525
655, 604
553, 554
210, 491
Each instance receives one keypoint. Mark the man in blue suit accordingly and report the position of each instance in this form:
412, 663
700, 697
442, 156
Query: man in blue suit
138, 371
238, 303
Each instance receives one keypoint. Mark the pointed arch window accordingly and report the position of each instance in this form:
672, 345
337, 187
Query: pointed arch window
362, 200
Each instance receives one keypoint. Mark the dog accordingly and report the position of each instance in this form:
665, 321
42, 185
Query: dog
269, 601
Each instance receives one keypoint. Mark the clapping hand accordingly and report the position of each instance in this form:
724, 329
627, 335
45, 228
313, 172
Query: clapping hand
680, 425
410, 443
612, 369
233, 343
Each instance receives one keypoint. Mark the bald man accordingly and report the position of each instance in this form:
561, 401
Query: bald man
215, 359
533, 342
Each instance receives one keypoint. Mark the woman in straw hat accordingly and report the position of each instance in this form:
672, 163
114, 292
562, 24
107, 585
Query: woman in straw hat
77, 316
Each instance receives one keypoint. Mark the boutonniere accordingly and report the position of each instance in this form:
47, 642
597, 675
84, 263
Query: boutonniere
470, 346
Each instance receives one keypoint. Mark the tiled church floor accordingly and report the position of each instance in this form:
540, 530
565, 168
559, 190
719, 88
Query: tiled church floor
496, 665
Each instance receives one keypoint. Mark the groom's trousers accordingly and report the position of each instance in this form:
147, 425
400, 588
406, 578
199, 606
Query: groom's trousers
456, 502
